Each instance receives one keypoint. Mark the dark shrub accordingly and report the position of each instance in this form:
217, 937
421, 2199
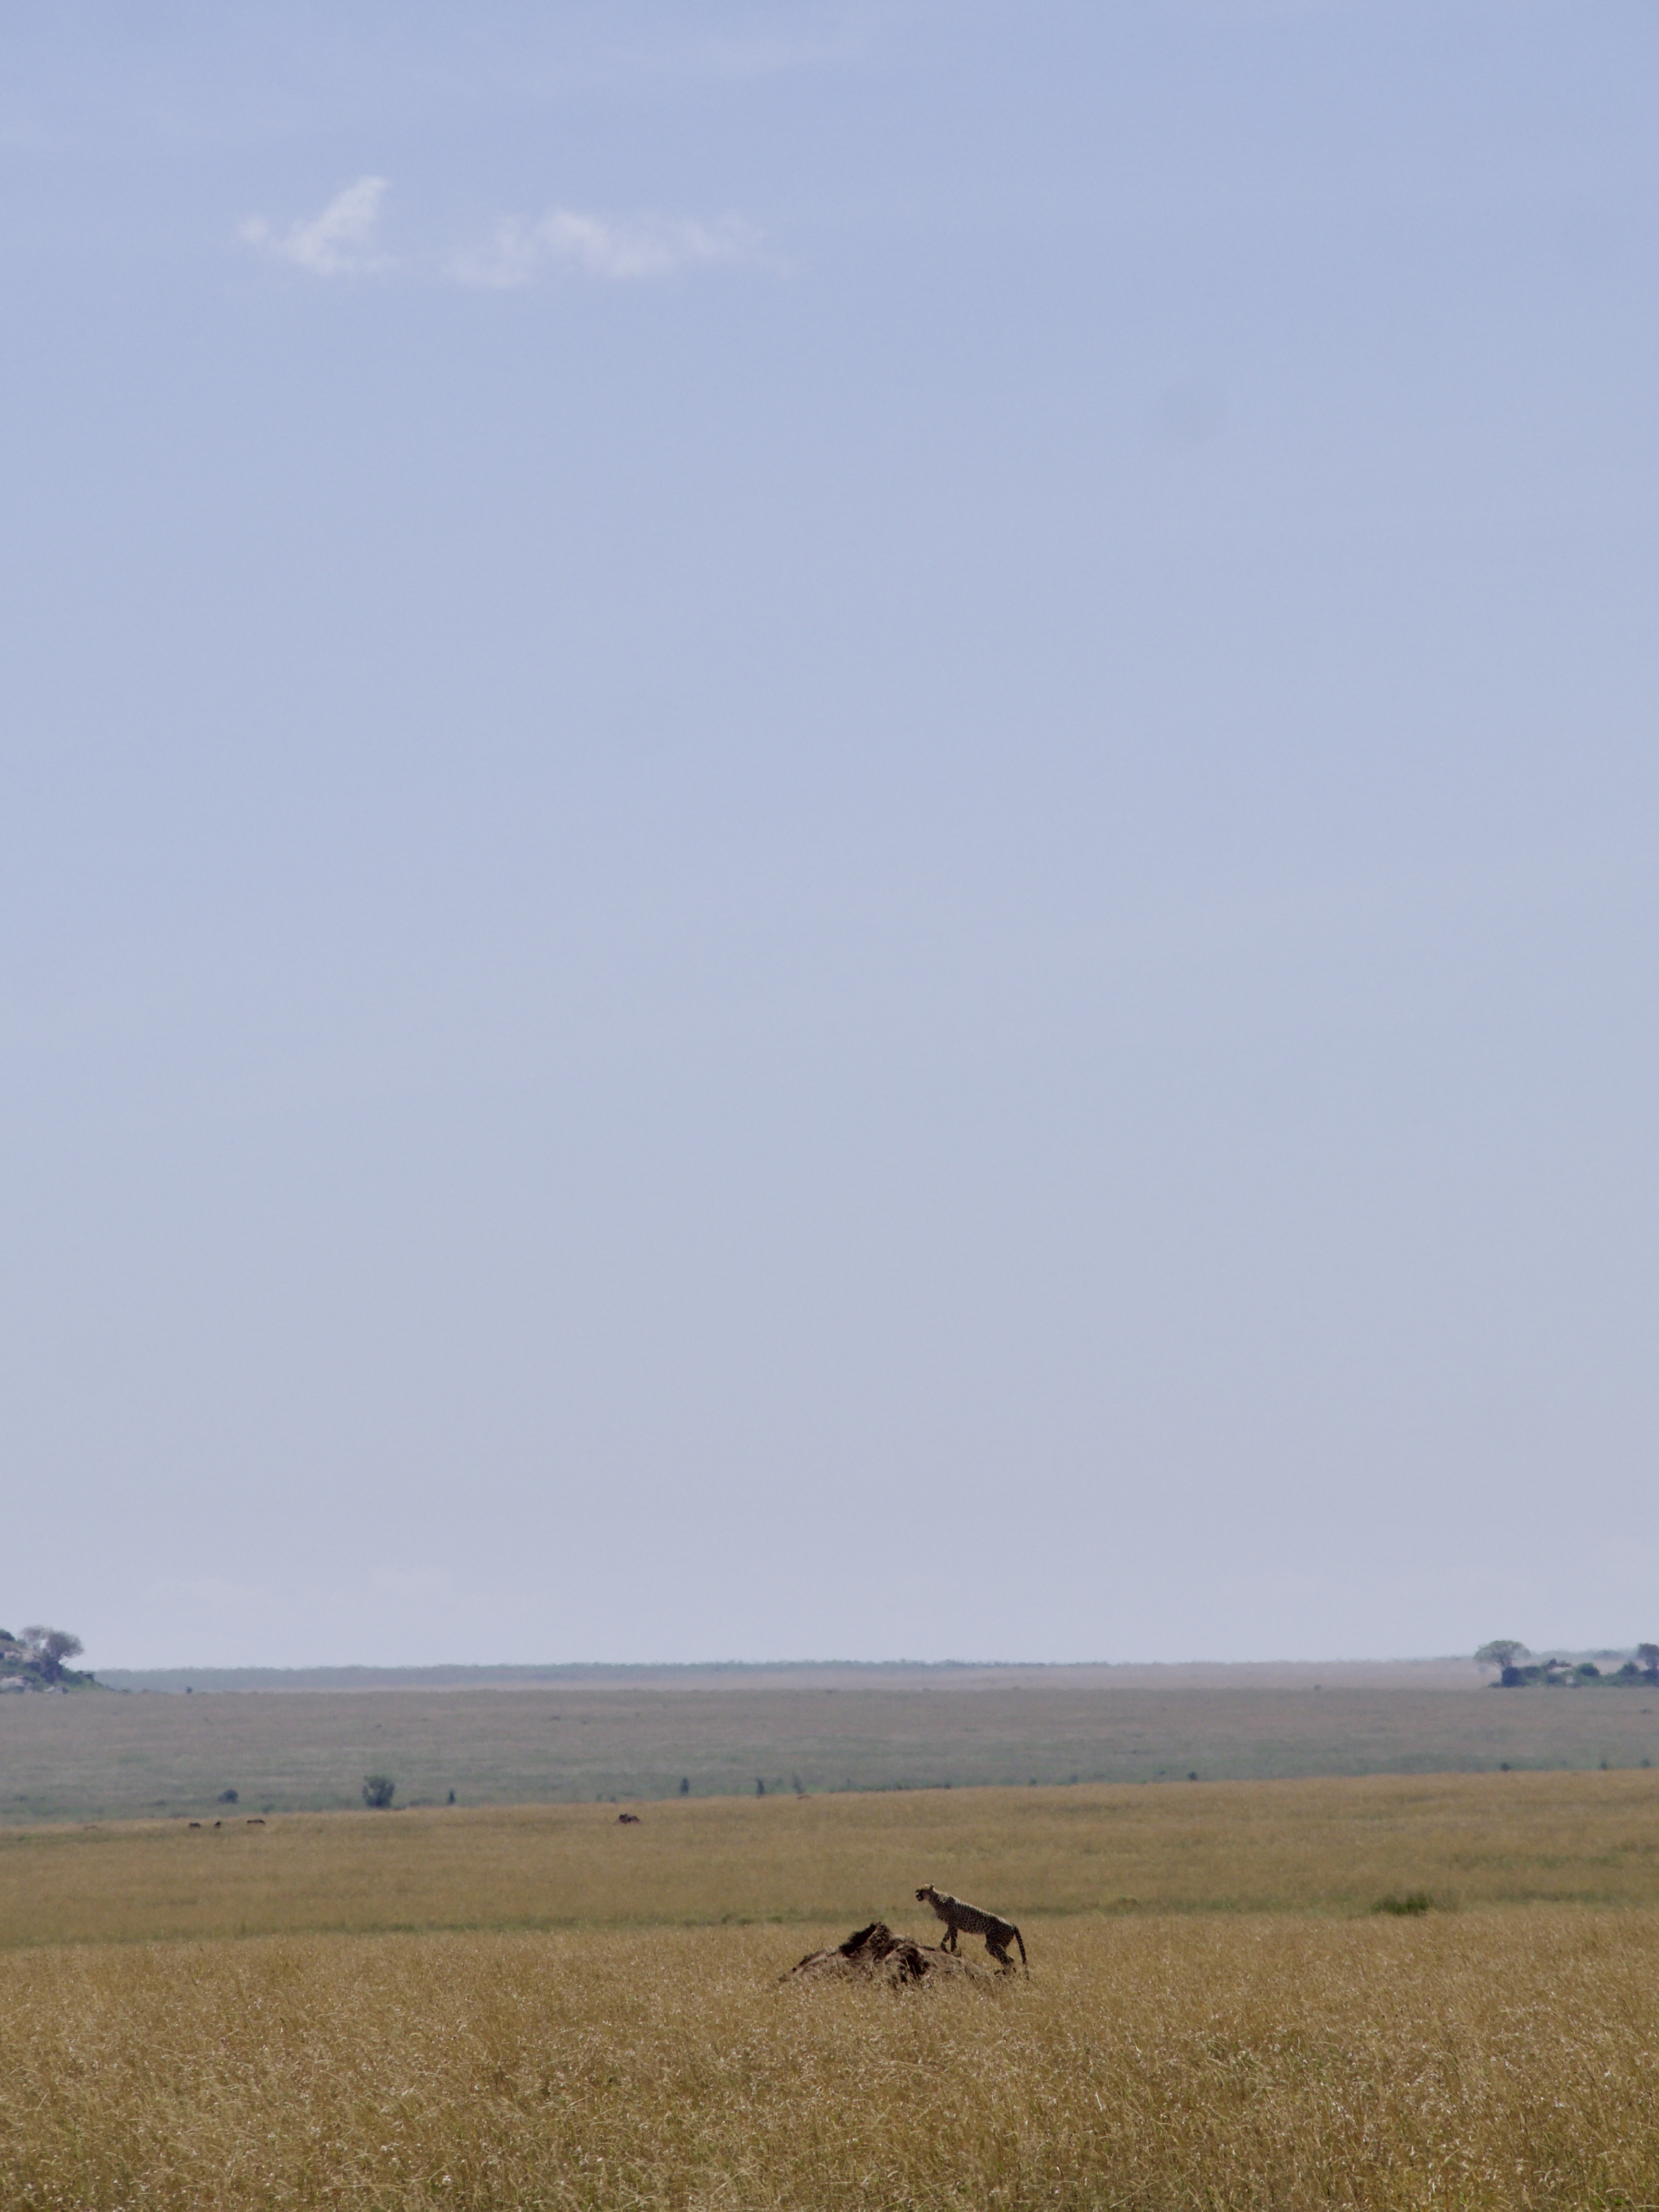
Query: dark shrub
1415, 1901
378, 1790
49, 1647
226, 1797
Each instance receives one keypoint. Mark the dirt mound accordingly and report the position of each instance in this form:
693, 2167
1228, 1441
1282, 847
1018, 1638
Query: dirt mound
876, 1954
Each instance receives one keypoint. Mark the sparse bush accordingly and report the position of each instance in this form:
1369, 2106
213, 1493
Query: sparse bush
378, 1790
226, 1797
1413, 1902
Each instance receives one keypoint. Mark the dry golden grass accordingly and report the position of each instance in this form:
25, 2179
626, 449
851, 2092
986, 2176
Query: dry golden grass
1249, 2034
1496, 2058
1331, 1846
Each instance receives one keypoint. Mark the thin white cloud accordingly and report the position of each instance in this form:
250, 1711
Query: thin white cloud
615, 248
341, 241
344, 240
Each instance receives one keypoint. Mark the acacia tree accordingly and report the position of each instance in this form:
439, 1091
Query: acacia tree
51, 1647
1503, 1651
1648, 1658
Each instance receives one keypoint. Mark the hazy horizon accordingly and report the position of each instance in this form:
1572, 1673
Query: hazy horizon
803, 1665
829, 828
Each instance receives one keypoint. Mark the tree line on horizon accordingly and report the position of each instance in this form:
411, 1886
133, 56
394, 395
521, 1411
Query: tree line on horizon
37, 1659
1517, 1668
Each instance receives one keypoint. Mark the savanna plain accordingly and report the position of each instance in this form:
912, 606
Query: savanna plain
646, 1734
538, 2006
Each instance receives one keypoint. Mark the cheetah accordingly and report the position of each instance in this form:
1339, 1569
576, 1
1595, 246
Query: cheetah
971, 1921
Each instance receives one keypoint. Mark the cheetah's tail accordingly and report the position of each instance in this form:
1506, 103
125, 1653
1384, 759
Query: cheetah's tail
1024, 1961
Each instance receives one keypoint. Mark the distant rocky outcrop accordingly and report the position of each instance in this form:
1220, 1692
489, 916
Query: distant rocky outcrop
876, 1954
34, 1661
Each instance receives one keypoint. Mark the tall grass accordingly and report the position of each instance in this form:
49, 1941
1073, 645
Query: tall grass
1492, 2058
1333, 1846
1219, 2015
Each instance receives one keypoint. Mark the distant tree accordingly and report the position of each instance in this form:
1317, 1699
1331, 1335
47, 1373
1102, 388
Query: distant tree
51, 1647
1502, 1652
760, 1786
226, 1797
685, 1785
1647, 1656
378, 1790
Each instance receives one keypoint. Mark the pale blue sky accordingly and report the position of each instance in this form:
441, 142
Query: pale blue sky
802, 784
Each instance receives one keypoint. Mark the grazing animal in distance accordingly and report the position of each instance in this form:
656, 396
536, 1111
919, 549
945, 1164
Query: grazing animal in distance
969, 1920
195, 1824
628, 1819
256, 1822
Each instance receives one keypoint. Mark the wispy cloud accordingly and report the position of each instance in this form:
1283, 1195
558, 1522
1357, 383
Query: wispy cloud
617, 249
341, 241
344, 240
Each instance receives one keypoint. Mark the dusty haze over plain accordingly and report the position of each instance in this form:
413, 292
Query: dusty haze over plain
828, 830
